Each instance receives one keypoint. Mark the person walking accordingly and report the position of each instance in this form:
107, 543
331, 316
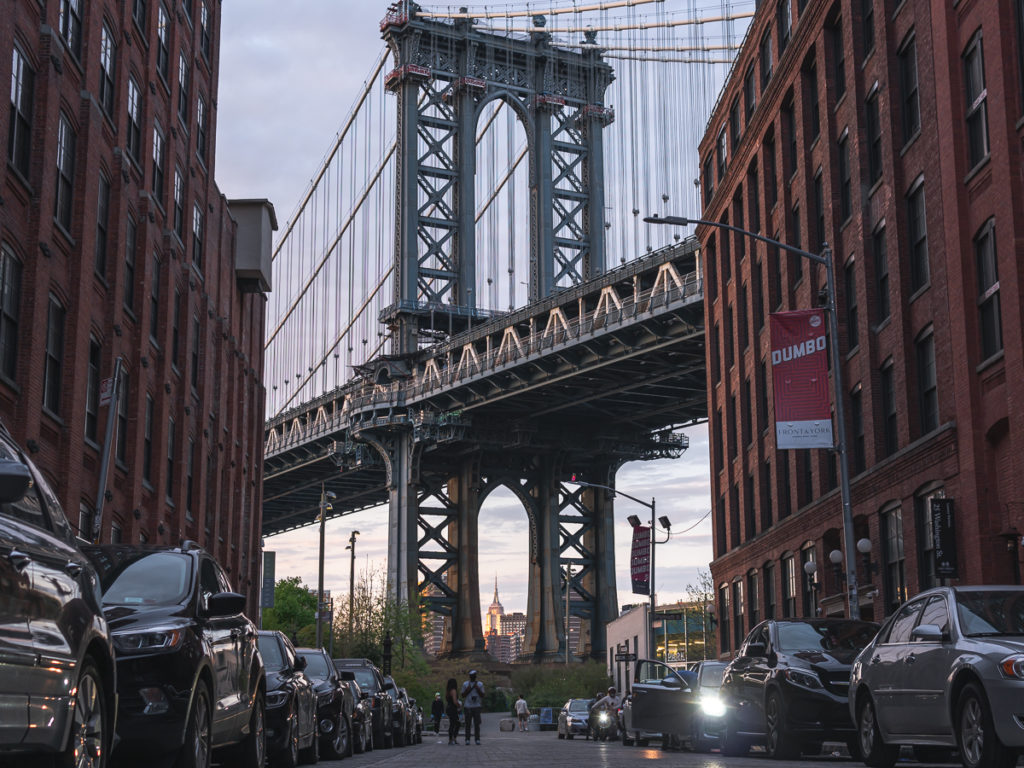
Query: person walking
437, 711
523, 713
473, 703
452, 707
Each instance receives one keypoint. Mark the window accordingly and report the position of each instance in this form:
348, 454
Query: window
785, 494
102, 223
925, 536
1019, 12
857, 422
19, 131
734, 124
748, 417
724, 614
890, 435
771, 180
989, 319
716, 368
769, 590
977, 115
918, 235
819, 209
850, 294
183, 95
784, 15
722, 154
131, 231
190, 461
762, 406
108, 51
134, 137
757, 290
197, 236
158, 165
154, 301
85, 518
179, 203
813, 100
738, 630
162, 40
709, 180
796, 263
766, 59
734, 516
195, 352
874, 136
176, 330
92, 390
749, 91
838, 58
881, 273
892, 553
867, 15
845, 198
753, 203
789, 586
730, 415
789, 128
65, 172
10, 299
201, 129
54, 361
187, 5
115, 533
147, 442
927, 383
749, 509
730, 344
204, 29
721, 545
71, 26
121, 450
909, 98
753, 598
139, 13
170, 459
766, 496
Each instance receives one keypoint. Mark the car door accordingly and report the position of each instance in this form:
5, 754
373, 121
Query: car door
926, 665
304, 699
662, 701
217, 631
748, 673
242, 638
889, 680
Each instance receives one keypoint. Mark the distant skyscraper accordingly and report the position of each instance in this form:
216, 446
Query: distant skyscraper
494, 613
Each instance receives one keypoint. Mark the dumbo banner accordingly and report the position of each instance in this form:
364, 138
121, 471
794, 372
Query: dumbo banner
803, 413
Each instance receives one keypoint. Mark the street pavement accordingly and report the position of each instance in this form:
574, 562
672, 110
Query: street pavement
543, 749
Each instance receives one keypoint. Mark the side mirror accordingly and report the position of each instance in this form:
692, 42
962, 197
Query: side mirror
300, 663
927, 633
14, 481
225, 604
755, 650
672, 682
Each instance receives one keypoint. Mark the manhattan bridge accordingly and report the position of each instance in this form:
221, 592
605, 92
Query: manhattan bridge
466, 298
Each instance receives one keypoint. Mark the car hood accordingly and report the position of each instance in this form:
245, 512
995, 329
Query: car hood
997, 646
275, 681
831, 660
126, 617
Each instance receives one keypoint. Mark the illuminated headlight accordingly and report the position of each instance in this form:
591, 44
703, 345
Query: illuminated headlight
712, 706
603, 718
1013, 666
155, 640
804, 679
276, 698
569, 721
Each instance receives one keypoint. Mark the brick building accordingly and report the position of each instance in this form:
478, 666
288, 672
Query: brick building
892, 131
116, 243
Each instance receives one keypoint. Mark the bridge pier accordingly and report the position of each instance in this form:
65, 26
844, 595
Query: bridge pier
464, 491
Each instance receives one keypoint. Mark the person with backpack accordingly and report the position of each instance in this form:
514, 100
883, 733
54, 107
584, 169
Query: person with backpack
473, 703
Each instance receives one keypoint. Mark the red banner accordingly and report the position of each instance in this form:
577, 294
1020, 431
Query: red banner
640, 561
803, 413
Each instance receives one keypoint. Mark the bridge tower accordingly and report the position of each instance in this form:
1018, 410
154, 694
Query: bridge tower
444, 76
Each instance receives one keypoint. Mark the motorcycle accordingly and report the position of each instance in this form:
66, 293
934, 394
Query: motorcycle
603, 725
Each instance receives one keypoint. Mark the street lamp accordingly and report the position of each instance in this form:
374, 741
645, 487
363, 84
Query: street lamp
810, 569
832, 310
351, 578
324, 506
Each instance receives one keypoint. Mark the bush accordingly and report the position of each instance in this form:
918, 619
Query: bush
551, 685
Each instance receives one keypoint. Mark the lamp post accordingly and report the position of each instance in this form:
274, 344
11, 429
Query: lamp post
351, 578
568, 586
324, 506
810, 569
825, 259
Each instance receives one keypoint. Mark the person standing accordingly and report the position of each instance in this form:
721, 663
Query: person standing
523, 713
473, 703
437, 711
452, 706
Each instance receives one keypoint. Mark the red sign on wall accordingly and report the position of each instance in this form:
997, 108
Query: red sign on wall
803, 413
640, 561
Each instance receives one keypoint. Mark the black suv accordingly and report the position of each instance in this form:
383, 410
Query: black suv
335, 703
57, 674
189, 676
371, 682
787, 688
403, 724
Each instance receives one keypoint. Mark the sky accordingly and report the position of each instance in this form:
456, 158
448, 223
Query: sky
290, 71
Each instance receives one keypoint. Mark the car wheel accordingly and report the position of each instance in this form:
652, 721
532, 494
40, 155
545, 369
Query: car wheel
358, 740
196, 751
626, 740
339, 744
399, 738
697, 741
88, 742
873, 751
252, 750
730, 743
780, 744
289, 756
979, 745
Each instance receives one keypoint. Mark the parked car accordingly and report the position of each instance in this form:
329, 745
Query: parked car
945, 671
189, 677
58, 689
401, 716
371, 681
417, 716
335, 703
362, 715
292, 737
574, 719
787, 687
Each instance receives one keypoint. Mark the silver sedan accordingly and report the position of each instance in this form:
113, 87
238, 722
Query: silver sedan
945, 671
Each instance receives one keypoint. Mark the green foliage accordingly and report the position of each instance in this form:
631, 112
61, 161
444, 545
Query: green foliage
702, 594
375, 615
551, 685
294, 610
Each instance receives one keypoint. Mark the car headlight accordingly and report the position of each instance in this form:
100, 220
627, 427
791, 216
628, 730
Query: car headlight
1013, 666
276, 698
153, 640
803, 678
712, 706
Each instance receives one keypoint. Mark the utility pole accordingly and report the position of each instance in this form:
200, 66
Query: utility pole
351, 579
324, 506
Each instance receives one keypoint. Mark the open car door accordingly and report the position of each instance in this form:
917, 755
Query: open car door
663, 701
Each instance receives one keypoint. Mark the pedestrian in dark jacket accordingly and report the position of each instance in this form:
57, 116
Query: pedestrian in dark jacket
437, 711
452, 705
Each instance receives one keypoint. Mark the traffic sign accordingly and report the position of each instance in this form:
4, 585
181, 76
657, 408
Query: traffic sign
625, 657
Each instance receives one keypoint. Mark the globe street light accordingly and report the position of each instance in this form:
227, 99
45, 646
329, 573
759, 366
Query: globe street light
825, 259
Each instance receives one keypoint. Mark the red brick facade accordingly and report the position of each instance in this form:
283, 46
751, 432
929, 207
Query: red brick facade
189, 438
930, 311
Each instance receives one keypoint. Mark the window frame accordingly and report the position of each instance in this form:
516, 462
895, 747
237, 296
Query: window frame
102, 226
909, 88
927, 381
70, 26
989, 310
890, 413
975, 103
917, 236
159, 164
53, 358
163, 42
64, 194
19, 130
873, 134
10, 311
893, 556
108, 70
880, 254
92, 389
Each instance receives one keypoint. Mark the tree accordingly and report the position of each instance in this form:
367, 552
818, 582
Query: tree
376, 614
294, 611
701, 595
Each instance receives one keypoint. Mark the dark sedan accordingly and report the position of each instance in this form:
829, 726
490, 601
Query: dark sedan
291, 704
362, 715
371, 681
787, 688
335, 704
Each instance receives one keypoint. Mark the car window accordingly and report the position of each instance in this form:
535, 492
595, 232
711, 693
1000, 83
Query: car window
222, 579
57, 520
271, 651
759, 635
578, 705
829, 635
151, 578
653, 672
904, 622
711, 675
316, 665
365, 678
997, 612
208, 578
29, 509
935, 612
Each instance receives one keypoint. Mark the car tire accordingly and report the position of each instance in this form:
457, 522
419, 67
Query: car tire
975, 733
697, 741
91, 728
873, 750
626, 740
779, 743
730, 743
311, 754
196, 751
289, 756
339, 744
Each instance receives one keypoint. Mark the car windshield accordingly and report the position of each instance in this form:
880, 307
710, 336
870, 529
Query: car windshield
270, 650
986, 614
365, 679
152, 578
711, 675
824, 635
316, 665
578, 705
